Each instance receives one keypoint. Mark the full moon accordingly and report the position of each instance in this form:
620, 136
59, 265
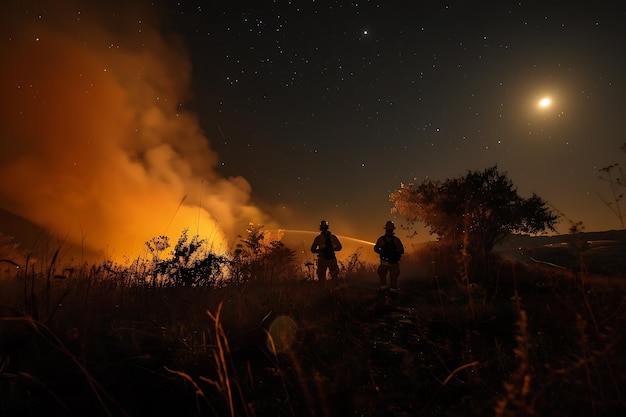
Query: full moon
544, 102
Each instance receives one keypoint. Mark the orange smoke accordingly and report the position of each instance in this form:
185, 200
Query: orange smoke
95, 145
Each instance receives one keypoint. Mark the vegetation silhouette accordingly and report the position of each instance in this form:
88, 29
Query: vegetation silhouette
187, 332
473, 213
479, 209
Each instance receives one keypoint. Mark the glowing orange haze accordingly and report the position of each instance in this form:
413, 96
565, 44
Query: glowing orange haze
94, 144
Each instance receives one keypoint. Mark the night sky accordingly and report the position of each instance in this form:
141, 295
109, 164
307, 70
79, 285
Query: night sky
129, 120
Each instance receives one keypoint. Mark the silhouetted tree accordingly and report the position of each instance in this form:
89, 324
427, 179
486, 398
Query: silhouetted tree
478, 209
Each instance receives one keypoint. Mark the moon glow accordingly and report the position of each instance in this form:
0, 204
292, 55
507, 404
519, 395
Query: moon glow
544, 102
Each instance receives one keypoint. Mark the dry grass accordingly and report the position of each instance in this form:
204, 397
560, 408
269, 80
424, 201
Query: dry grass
96, 343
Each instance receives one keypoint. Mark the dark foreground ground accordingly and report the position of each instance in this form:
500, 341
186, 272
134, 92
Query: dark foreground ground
301, 349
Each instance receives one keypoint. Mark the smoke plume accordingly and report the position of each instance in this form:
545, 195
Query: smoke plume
96, 146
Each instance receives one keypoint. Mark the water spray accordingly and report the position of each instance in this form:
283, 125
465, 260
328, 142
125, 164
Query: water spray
366, 242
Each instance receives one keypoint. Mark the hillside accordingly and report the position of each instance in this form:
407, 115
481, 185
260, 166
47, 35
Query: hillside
601, 253
22, 230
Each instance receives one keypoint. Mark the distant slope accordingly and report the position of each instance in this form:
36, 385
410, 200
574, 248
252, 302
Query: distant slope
602, 253
39, 241
22, 230
537, 241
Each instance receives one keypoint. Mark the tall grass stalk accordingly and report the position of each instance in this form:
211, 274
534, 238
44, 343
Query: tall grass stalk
518, 401
219, 356
580, 245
